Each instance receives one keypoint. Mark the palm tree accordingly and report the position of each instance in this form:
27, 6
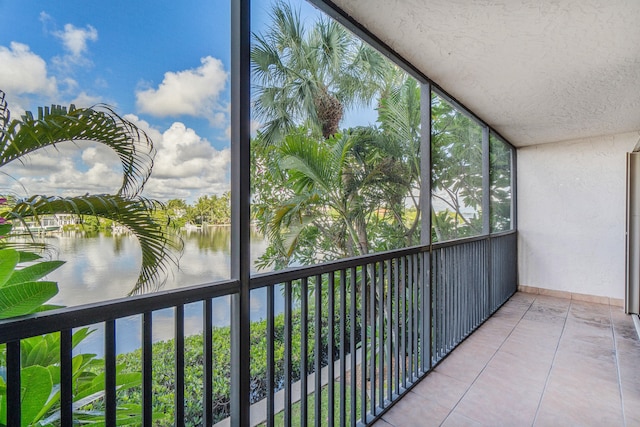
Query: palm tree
336, 187
101, 124
400, 119
308, 77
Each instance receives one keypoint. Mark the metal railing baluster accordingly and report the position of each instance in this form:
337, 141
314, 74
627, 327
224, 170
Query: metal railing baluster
179, 365
317, 392
110, 372
403, 318
331, 409
270, 355
352, 343
304, 351
288, 333
396, 324
207, 370
363, 341
14, 409
415, 317
343, 355
66, 377
380, 349
389, 339
147, 369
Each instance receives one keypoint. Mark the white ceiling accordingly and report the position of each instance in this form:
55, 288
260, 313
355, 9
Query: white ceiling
538, 71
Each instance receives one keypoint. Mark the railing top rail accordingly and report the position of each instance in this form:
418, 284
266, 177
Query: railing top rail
73, 317
294, 273
457, 242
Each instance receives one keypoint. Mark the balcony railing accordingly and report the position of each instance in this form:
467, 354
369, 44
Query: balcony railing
344, 340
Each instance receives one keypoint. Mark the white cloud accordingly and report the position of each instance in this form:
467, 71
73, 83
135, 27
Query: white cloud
84, 100
68, 170
75, 39
194, 92
24, 72
75, 43
187, 164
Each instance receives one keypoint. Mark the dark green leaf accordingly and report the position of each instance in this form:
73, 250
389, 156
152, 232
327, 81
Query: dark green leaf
18, 300
8, 261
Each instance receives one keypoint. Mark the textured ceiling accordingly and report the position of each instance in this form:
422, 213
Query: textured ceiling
538, 71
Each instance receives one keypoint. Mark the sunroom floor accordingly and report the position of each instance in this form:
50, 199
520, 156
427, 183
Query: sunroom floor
539, 361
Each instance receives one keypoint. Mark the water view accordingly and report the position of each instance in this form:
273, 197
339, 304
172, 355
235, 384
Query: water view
102, 266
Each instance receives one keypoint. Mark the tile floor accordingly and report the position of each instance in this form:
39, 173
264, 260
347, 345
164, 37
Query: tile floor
539, 361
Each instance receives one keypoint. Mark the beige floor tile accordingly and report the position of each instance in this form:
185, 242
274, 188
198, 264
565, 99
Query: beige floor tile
583, 351
626, 346
593, 333
623, 326
523, 297
493, 401
501, 326
517, 371
458, 420
545, 316
631, 403
563, 405
415, 410
443, 389
382, 423
590, 312
549, 301
533, 334
462, 365
511, 311
628, 358
585, 382
487, 339
583, 369
496, 328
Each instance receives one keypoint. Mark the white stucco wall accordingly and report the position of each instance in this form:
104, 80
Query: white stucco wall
571, 215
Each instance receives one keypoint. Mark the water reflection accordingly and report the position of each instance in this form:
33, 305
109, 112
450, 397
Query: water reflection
103, 266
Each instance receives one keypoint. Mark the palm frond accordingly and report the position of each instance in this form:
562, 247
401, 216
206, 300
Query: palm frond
308, 163
100, 124
158, 243
4, 117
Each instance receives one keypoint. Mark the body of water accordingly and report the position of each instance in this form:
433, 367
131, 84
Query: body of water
104, 266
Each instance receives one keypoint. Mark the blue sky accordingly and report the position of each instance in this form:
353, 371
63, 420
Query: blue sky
165, 65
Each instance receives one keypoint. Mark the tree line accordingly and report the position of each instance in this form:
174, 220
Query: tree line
206, 210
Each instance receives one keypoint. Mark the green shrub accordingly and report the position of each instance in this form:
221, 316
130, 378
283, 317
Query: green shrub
164, 367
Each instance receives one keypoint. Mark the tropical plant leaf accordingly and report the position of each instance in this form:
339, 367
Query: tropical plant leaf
36, 395
37, 355
28, 256
47, 307
3, 402
95, 389
5, 229
33, 272
18, 300
9, 259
